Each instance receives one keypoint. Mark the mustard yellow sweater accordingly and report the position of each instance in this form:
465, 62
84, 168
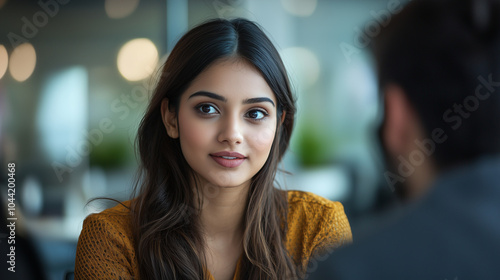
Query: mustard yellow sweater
106, 247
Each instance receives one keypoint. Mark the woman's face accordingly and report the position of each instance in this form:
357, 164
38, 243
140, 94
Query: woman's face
226, 123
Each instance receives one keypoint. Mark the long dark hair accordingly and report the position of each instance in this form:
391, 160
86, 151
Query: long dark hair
168, 239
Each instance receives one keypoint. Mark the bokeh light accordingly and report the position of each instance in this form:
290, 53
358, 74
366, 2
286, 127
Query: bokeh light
22, 62
300, 8
120, 8
137, 59
32, 196
2, 3
4, 60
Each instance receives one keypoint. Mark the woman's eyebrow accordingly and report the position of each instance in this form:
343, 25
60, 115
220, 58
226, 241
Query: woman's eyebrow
223, 99
208, 94
258, 100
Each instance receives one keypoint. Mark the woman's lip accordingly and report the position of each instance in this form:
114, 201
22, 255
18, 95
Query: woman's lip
229, 163
228, 154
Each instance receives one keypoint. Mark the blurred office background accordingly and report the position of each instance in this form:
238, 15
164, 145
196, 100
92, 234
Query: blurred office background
75, 77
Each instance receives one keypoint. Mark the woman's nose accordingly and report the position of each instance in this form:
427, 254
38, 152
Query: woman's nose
230, 130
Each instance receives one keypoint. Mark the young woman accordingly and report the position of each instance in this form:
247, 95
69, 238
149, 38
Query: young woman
210, 142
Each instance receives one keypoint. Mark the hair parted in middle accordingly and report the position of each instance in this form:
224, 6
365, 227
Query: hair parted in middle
166, 211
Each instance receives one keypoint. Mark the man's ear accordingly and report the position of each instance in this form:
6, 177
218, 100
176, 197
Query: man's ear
169, 119
401, 123
283, 115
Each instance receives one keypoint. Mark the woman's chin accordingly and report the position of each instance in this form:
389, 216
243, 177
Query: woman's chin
228, 185
214, 185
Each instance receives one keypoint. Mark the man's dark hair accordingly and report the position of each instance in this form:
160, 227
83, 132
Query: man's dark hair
445, 55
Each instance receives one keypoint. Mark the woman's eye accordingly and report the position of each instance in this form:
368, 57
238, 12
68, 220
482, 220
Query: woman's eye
256, 114
207, 109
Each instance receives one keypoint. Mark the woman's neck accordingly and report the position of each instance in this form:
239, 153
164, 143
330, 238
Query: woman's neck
223, 212
222, 218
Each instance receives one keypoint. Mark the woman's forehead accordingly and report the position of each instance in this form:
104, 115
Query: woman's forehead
234, 79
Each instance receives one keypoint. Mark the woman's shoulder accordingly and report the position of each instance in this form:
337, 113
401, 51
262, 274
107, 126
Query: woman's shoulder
105, 246
306, 209
296, 198
314, 223
113, 220
121, 209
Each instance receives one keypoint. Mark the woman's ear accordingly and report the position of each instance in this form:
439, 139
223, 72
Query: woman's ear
169, 119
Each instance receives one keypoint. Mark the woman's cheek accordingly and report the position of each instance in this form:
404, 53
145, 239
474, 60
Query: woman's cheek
262, 138
194, 131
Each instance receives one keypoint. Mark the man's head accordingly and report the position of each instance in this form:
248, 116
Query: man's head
439, 71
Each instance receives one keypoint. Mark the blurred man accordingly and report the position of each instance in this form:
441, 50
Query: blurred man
439, 71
